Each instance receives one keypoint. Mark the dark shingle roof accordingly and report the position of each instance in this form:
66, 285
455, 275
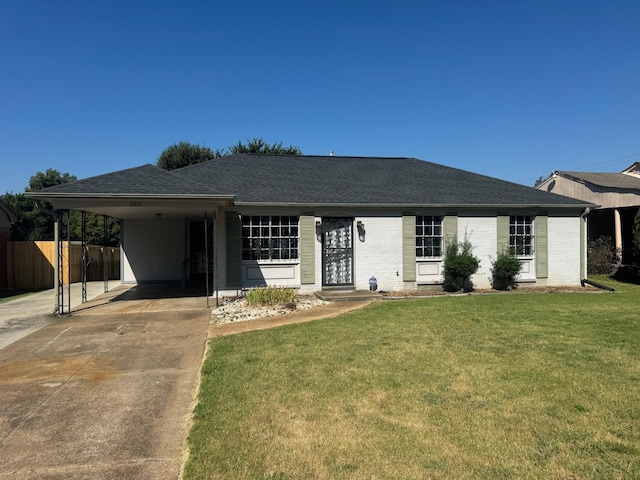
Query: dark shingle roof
358, 180
287, 179
608, 180
144, 180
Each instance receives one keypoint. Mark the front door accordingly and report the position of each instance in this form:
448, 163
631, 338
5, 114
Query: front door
337, 252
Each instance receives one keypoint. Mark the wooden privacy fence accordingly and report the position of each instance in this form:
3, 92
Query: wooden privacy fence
30, 265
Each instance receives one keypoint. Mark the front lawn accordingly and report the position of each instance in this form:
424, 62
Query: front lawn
522, 386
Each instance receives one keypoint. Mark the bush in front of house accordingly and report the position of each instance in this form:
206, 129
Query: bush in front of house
505, 270
271, 296
459, 265
602, 256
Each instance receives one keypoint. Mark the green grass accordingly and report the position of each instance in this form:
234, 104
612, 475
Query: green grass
522, 386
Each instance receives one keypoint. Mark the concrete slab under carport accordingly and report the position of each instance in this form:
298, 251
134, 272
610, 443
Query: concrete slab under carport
146, 298
105, 393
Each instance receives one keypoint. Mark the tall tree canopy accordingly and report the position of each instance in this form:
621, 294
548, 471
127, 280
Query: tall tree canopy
35, 223
258, 145
183, 153
49, 178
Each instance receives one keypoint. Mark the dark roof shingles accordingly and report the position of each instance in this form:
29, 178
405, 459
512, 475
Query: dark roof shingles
287, 179
359, 180
143, 180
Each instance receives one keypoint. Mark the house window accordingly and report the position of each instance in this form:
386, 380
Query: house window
269, 237
428, 236
521, 235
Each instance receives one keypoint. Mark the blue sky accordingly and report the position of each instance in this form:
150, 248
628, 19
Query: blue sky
511, 89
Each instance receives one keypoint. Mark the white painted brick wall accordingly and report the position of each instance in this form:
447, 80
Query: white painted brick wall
380, 255
564, 251
482, 233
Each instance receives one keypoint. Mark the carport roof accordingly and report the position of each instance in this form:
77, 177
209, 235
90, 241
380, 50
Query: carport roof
315, 180
144, 180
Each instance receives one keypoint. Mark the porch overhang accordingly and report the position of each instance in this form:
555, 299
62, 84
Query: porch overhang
128, 207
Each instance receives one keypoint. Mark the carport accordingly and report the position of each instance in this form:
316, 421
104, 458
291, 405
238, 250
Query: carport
166, 238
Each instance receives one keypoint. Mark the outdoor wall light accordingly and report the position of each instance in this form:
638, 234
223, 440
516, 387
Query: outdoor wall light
361, 230
319, 230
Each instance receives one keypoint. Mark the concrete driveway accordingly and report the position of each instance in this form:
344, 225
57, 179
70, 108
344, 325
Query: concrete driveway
105, 393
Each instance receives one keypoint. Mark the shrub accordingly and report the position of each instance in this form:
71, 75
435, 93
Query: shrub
602, 256
459, 265
635, 244
271, 296
505, 269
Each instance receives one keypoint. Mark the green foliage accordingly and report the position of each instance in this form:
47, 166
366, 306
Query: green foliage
35, 222
271, 296
183, 154
635, 251
258, 145
602, 256
459, 265
32, 224
49, 178
505, 269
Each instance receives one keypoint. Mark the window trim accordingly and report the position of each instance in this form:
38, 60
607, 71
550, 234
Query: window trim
529, 239
420, 223
255, 254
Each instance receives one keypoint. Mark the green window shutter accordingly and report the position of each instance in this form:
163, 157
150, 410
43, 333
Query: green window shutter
450, 229
233, 227
409, 248
307, 249
542, 241
503, 233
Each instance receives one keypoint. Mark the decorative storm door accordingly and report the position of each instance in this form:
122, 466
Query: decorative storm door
337, 252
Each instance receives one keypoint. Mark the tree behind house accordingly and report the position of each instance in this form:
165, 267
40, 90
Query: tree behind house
183, 154
35, 222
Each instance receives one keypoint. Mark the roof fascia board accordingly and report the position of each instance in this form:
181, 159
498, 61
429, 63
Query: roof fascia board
127, 195
421, 205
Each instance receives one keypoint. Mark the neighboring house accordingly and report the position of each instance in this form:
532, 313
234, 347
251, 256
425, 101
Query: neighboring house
618, 195
318, 222
7, 218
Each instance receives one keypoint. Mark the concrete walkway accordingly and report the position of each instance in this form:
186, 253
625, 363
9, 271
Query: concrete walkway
317, 313
21, 317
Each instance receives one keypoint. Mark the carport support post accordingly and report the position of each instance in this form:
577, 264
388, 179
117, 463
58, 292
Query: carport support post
84, 256
68, 261
56, 264
105, 268
215, 256
206, 256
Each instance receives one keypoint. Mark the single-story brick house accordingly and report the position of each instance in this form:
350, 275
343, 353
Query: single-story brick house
323, 222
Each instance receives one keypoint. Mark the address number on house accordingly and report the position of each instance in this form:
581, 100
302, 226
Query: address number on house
135, 203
